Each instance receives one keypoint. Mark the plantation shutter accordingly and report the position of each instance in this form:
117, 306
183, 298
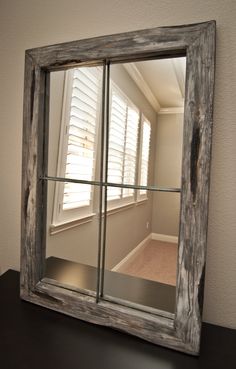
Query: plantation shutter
81, 132
123, 136
145, 152
116, 144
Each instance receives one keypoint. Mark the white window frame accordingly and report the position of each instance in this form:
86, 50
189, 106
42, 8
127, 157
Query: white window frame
79, 215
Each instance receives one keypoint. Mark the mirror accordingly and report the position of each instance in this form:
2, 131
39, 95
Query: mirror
142, 226
116, 148
145, 241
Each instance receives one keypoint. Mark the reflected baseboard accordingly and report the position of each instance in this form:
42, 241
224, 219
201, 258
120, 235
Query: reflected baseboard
151, 236
164, 237
132, 253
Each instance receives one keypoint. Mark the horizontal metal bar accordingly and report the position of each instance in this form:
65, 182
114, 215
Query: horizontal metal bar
63, 179
148, 188
110, 184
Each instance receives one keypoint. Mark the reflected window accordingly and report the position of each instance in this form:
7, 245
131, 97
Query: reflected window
79, 147
78, 142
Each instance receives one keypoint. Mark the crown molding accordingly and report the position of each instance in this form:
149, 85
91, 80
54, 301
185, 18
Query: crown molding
172, 110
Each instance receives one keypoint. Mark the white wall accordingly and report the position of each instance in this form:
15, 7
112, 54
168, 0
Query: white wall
30, 23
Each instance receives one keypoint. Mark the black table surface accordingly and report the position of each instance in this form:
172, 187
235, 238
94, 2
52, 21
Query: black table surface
33, 337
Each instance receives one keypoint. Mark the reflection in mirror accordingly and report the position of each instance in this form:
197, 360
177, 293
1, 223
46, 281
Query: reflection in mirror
146, 122
142, 252
145, 149
74, 152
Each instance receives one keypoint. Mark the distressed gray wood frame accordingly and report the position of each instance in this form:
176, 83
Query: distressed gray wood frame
198, 42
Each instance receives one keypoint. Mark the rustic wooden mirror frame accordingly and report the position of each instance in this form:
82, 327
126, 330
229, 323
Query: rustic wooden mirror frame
197, 41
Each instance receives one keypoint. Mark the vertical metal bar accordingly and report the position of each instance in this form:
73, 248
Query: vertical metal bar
44, 170
105, 174
100, 233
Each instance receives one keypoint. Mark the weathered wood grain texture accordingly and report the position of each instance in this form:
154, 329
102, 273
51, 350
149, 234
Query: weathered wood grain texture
195, 186
198, 42
156, 41
140, 324
33, 164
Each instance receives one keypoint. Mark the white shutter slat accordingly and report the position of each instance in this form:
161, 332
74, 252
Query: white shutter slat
114, 176
118, 120
81, 141
81, 91
117, 101
74, 168
81, 87
83, 120
114, 166
81, 107
82, 96
114, 193
80, 151
86, 75
116, 145
76, 187
116, 133
81, 134
131, 149
80, 162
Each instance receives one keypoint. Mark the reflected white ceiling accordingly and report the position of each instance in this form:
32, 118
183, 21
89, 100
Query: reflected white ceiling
162, 81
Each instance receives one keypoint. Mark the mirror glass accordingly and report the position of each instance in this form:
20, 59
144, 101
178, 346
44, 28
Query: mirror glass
137, 223
74, 153
143, 225
141, 260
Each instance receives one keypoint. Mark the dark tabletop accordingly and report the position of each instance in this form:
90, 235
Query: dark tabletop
32, 337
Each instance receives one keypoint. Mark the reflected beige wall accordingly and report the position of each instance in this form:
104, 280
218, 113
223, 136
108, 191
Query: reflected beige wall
168, 157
